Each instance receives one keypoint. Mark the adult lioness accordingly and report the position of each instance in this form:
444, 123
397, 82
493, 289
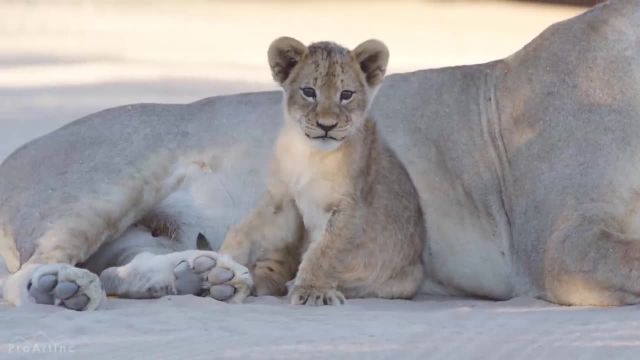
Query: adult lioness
336, 191
527, 168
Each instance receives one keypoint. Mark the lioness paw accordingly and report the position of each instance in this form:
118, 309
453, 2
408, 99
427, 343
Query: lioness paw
209, 274
66, 285
315, 297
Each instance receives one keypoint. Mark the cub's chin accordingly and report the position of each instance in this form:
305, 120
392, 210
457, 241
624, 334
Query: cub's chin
325, 144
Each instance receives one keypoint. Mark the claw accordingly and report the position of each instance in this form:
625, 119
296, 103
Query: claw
318, 297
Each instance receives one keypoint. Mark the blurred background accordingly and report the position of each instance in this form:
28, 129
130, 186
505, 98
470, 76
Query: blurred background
61, 60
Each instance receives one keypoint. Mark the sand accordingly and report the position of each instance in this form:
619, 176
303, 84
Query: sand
187, 327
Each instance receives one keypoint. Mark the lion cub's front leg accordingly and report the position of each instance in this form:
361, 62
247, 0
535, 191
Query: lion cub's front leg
267, 242
319, 273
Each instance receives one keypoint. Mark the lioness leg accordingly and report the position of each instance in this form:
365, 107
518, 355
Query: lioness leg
268, 243
591, 264
195, 272
85, 228
141, 264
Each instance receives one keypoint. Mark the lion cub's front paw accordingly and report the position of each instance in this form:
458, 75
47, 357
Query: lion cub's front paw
301, 295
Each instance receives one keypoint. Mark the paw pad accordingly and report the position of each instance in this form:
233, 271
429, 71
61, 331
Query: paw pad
203, 278
187, 281
222, 292
203, 263
65, 290
219, 276
65, 285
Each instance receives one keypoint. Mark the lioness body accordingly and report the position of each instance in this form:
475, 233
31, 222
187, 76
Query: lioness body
527, 168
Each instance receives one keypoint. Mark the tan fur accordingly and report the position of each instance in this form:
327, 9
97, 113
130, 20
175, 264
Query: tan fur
342, 207
106, 216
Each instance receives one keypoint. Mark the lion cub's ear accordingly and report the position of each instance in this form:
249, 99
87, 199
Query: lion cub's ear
373, 56
284, 54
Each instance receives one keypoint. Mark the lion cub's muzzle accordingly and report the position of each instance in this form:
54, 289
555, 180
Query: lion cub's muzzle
326, 131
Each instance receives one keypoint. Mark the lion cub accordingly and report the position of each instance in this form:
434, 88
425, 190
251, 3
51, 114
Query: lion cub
340, 212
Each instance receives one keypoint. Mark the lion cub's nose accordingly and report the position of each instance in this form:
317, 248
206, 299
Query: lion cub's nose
326, 128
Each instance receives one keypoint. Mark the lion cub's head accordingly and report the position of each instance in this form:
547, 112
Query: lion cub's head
328, 88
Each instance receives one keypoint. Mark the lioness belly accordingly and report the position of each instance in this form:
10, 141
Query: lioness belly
466, 253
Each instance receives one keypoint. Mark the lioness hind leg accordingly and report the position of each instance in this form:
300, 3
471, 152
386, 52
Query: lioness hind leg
592, 265
195, 272
86, 226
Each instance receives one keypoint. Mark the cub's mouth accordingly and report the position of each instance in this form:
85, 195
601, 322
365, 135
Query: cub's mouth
326, 141
323, 137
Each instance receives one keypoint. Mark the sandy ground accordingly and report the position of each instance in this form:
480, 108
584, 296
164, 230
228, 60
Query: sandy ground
187, 327
61, 60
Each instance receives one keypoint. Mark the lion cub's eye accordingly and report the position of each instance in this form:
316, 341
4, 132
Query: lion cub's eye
308, 92
346, 95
